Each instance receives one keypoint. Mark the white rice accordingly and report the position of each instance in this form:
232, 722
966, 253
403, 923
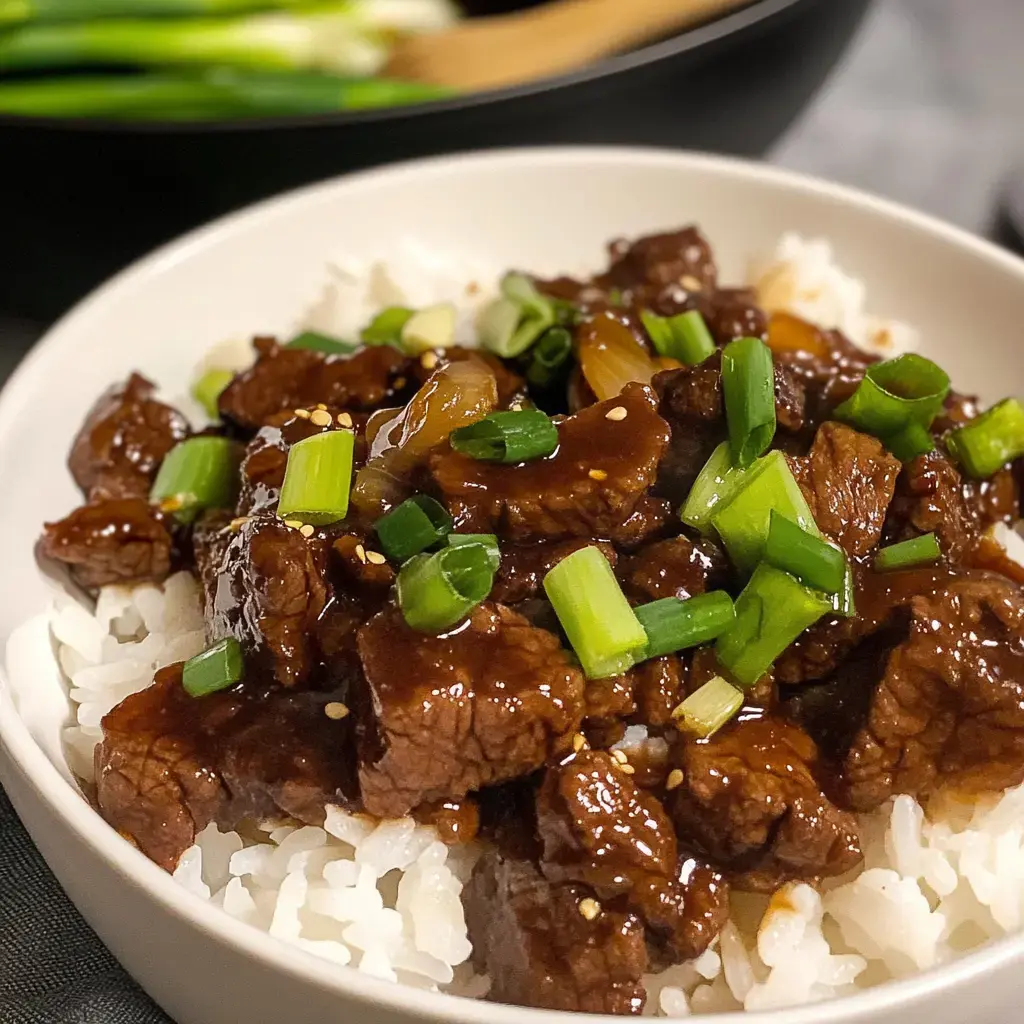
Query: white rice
384, 897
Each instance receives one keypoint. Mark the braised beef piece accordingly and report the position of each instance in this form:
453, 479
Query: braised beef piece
652, 519
523, 567
169, 764
116, 540
750, 802
456, 821
645, 695
659, 686
949, 709
291, 378
488, 701
733, 313
587, 488
677, 567
995, 500
542, 945
125, 437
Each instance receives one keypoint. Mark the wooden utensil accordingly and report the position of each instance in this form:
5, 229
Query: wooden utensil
487, 53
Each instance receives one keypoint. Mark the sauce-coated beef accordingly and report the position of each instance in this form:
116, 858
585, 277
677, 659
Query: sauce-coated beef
523, 567
492, 700
677, 567
645, 695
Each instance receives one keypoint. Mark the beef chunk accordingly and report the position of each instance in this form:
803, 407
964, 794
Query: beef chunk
456, 821
599, 829
848, 479
678, 567
169, 764
750, 802
995, 500
658, 688
541, 946
124, 439
117, 540
949, 710
590, 486
523, 567
645, 695
733, 313
291, 378
487, 702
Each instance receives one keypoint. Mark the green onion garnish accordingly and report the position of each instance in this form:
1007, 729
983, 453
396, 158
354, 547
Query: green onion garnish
684, 337
509, 325
748, 386
207, 390
386, 327
548, 357
602, 628
317, 478
708, 708
415, 525
744, 521
488, 541
908, 389
843, 601
921, 550
911, 441
433, 327
316, 342
436, 591
674, 625
199, 473
217, 668
715, 486
514, 436
989, 442
804, 555
771, 612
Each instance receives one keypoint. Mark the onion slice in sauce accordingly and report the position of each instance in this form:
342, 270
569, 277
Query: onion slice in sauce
611, 356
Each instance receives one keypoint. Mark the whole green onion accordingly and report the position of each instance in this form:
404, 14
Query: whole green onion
415, 525
913, 440
602, 628
804, 555
748, 386
198, 473
548, 357
436, 591
684, 337
988, 443
488, 541
316, 342
317, 478
715, 486
674, 625
514, 436
217, 668
208, 387
771, 612
509, 325
921, 550
386, 327
708, 708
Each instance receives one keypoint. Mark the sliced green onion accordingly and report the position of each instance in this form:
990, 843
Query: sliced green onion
488, 541
804, 555
433, 327
514, 436
907, 389
509, 325
386, 327
199, 473
317, 478
771, 612
743, 522
316, 342
602, 628
844, 601
748, 386
674, 625
217, 668
708, 708
913, 440
989, 442
207, 389
548, 357
436, 591
684, 337
921, 550
715, 486
415, 525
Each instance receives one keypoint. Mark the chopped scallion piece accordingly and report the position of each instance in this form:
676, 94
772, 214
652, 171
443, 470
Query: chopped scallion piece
921, 550
509, 325
488, 541
708, 708
199, 473
386, 327
436, 591
715, 486
674, 625
804, 555
748, 387
433, 327
844, 601
988, 443
602, 628
514, 436
911, 441
207, 390
548, 357
217, 668
415, 525
317, 478
684, 337
771, 612
316, 342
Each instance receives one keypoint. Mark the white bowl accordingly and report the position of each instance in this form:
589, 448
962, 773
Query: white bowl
255, 271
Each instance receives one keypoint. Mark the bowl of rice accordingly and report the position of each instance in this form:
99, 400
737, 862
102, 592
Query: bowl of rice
281, 920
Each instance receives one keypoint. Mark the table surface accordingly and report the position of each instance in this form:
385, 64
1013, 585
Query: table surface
926, 109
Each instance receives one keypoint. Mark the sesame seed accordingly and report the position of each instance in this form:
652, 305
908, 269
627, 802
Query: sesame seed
361, 553
472, 288
400, 383
579, 741
375, 558
336, 710
293, 524
515, 407
620, 756
321, 406
320, 418
674, 780
598, 474
690, 283
428, 360
627, 768
344, 420
303, 414
589, 908
172, 504
617, 415
307, 531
